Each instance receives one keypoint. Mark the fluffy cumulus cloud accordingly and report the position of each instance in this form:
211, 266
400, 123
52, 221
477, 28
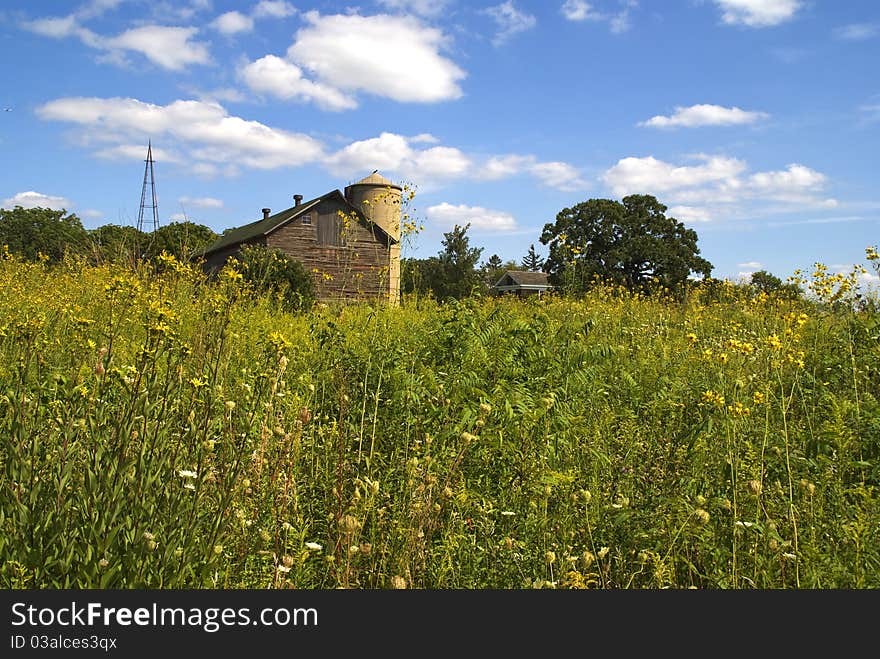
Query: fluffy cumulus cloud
211, 142
509, 21
396, 57
206, 131
758, 13
33, 199
447, 214
274, 76
233, 22
704, 115
716, 180
395, 153
172, 48
201, 202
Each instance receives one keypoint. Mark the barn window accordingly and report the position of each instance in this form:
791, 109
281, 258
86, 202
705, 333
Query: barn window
330, 230
306, 219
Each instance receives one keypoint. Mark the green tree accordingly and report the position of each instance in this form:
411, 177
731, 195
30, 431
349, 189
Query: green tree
274, 272
30, 232
630, 242
491, 270
768, 283
451, 274
182, 239
112, 242
531, 261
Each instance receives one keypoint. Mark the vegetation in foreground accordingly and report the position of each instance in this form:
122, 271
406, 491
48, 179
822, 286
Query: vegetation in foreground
158, 430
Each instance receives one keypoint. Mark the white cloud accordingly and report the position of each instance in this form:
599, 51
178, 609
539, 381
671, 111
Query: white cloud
554, 174
757, 13
649, 175
201, 202
704, 115
169, 47
92, 213
397, 57
559, 175
751, 265
498, 167
509, 21
393, 153
277, 77
205, 130
135, 152
479, 218
690, 214
233, 22
33, 199
176, 10
578, 10
427, 8
273, 9
789, 184
423, 138
857, 31
178, 217
717, 180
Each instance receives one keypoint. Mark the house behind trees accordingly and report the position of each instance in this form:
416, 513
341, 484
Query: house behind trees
522, 283
349, 242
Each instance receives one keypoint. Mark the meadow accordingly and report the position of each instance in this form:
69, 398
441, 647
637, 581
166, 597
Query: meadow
158, 430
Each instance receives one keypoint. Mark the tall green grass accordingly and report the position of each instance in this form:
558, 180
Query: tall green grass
158, 430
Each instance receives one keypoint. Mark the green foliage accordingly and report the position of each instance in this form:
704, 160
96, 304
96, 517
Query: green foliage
31, 232
765, 282
630, 243
274, 272
166, 430
111, 242
183, 240
531, 261
452, 274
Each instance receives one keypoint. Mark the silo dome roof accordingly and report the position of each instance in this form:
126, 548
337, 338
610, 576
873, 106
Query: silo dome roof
376, 179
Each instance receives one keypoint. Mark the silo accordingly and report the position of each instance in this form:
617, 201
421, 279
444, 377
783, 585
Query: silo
379, 200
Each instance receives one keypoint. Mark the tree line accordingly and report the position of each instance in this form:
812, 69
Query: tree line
630, 243
44, 233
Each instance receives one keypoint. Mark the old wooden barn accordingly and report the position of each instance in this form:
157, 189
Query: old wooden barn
349, 242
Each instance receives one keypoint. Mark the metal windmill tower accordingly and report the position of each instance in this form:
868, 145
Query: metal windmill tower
150, 180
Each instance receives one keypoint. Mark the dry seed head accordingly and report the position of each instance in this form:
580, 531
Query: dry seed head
398, 582
701, 516
349, 524
754, 486
103, 563
550, 557
287, 561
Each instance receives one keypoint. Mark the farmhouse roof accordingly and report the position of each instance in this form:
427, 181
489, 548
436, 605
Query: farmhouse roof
267, 225
523, 279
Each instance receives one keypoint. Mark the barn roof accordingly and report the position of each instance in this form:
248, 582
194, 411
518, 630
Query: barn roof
266, 226
523, 279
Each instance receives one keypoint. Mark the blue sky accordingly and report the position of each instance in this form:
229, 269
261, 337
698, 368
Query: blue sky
757, 122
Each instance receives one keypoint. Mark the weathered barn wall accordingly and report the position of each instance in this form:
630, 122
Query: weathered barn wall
356, 268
